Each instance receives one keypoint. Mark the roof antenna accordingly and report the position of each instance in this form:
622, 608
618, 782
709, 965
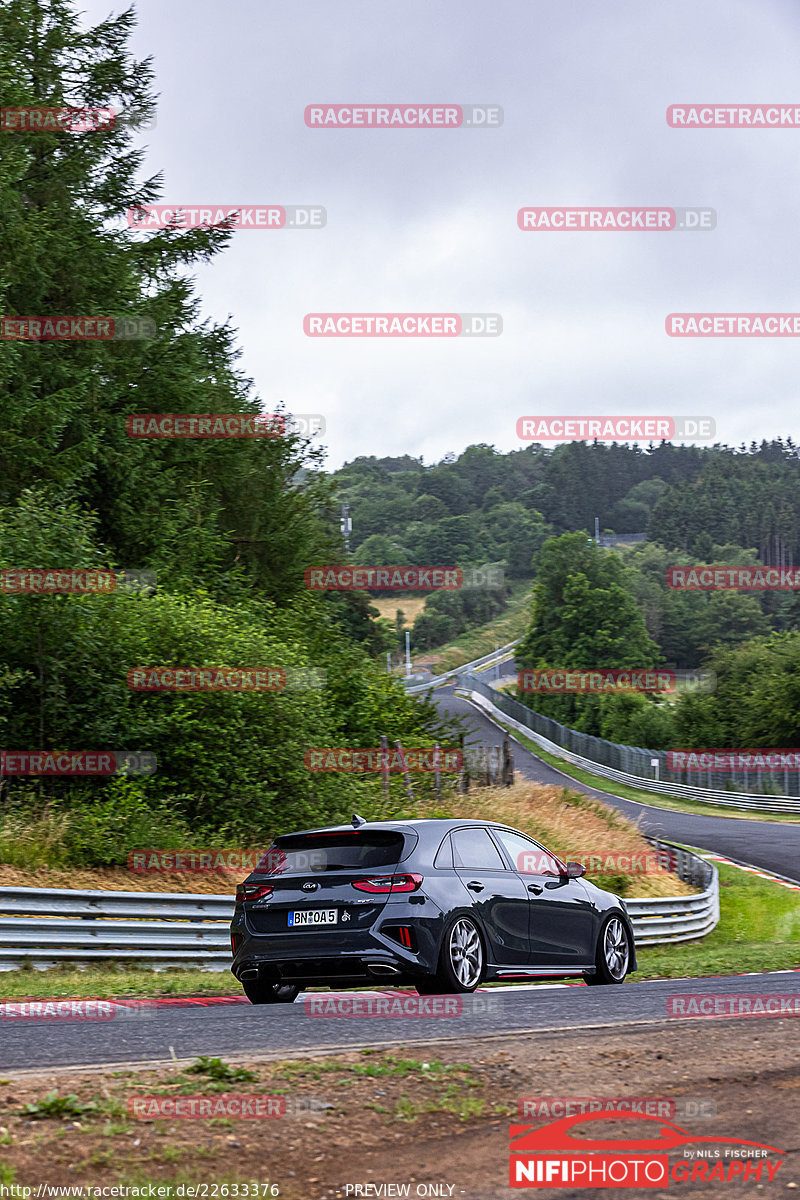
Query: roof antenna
357, 820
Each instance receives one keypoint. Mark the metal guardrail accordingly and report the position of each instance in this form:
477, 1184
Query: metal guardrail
658, 919
524, 720
50, 926
45, 927
485, 661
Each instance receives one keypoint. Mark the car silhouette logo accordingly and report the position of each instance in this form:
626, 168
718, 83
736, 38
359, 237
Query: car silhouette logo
556, 1136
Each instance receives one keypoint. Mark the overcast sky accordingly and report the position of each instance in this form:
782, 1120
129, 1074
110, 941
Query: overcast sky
425, 220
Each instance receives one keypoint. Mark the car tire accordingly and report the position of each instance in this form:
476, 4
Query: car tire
462, 960
613, 955
258, 992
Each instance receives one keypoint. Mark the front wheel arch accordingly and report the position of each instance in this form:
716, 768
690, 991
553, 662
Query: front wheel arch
607, 969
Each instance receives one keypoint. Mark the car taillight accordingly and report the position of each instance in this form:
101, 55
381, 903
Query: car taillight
253, 891
382, 885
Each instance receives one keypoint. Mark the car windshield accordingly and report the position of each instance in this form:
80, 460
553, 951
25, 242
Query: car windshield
378, 850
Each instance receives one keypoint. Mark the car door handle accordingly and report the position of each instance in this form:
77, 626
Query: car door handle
536, 888
474, 886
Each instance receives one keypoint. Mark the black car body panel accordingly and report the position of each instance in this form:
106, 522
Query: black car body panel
542, 924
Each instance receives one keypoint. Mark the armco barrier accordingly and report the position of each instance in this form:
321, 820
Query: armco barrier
50, 926
45, 927
487, 660
532, 725
678, 918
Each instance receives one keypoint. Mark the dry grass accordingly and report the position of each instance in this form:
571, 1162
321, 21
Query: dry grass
567, 822
410, 606
572, 825
119, 879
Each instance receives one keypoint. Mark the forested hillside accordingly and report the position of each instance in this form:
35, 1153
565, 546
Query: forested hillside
594, 608
227, 525
487, 505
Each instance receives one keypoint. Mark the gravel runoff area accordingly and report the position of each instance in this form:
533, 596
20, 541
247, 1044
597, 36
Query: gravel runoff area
435, 1117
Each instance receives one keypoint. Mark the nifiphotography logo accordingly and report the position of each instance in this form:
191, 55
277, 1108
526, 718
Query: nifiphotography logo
549, 1156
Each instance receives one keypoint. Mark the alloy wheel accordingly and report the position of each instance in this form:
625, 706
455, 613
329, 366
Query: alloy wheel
466, 953
615, 948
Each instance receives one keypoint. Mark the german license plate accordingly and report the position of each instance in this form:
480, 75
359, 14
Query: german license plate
313, 916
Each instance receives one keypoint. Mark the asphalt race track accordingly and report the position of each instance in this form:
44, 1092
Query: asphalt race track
282, 1030
773, 845
232, 1027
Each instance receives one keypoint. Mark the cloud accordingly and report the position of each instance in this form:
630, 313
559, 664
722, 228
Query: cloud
426, 220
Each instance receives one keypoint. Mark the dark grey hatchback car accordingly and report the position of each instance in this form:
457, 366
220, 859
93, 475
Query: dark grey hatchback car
440, 904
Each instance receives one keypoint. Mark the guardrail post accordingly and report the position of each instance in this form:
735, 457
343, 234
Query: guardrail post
508, 763
406, 776
385, 766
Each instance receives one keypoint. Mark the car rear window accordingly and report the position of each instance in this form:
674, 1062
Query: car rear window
316, 853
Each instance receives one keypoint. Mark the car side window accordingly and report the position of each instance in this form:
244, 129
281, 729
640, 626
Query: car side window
444, 855
528, 857
473, 849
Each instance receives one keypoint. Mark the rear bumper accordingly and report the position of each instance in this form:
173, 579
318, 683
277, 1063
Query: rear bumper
343, 969
364, 956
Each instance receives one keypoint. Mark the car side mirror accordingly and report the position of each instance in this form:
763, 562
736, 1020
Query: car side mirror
575, 870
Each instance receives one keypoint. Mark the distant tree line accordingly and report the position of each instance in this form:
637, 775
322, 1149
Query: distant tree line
486, 505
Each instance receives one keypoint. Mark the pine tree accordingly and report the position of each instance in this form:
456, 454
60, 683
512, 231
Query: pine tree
188, 508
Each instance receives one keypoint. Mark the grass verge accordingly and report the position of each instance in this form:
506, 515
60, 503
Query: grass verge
109, 980
654, 799
759, 930
475, 643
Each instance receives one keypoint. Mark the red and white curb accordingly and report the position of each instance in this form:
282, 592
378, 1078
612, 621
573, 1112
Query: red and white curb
758, 871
